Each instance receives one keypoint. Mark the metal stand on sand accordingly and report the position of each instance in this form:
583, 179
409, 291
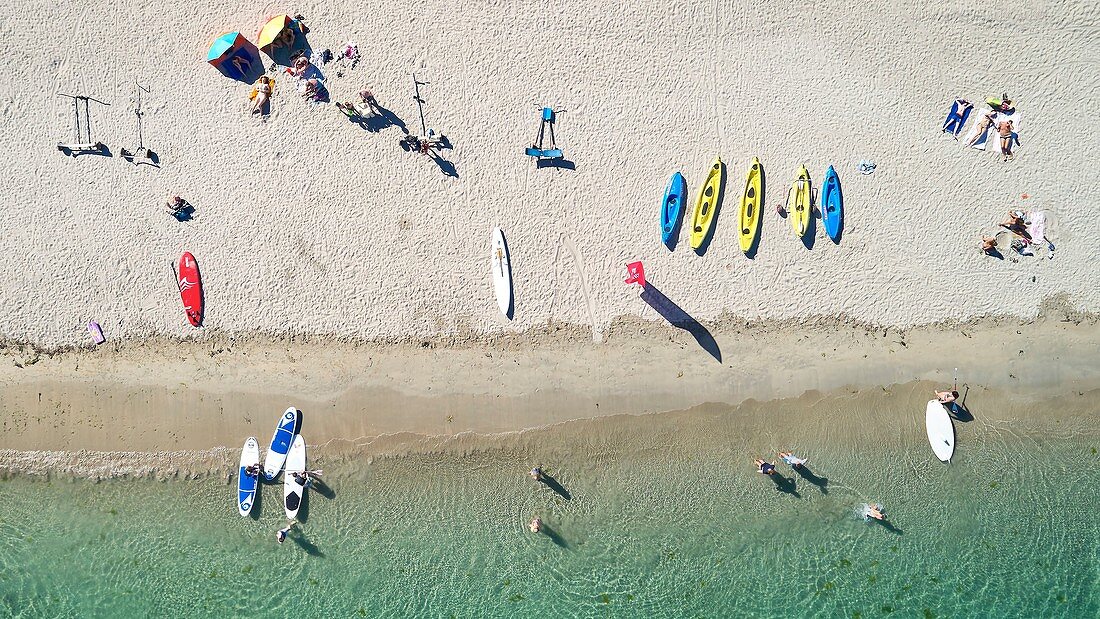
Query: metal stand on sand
82, 137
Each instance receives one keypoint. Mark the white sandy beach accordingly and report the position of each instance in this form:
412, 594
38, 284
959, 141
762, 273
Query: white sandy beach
308, 224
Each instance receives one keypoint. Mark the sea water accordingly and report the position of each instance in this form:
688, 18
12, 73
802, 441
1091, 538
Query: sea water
647, 520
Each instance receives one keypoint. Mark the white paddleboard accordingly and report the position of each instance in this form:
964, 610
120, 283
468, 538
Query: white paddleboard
280, 442
247, 485
293, 492
502, 273
941, 432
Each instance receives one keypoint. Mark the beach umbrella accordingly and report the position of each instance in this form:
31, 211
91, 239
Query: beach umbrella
235, 56
272, 29
223, 44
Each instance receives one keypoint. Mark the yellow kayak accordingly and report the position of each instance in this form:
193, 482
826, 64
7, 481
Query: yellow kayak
750, 206
798, 203
710, 198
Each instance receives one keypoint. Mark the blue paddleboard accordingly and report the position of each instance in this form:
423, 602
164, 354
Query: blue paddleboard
832, 205
280, 442
673, 206
246, 484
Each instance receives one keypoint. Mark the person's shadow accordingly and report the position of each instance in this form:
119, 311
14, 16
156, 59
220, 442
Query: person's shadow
785, 485
323, 489
680, 319
808, 475
554, 536
306, 545
445, 166
553, 484
958, 410
889, 526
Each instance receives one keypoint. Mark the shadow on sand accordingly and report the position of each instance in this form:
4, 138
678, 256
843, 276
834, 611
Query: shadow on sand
680, 319
958, 410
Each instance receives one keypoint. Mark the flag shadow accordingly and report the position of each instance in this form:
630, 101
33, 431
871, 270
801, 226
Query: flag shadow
680, 319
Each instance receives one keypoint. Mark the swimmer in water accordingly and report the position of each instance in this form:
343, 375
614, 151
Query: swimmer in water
794, 461
766, 468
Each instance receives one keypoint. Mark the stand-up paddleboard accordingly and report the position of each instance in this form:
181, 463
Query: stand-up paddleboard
502, 273
941, 432
832, 205
750, 206
706, 206
280, 443
190, 288
246, 484
292, 490
673, 206
798, 202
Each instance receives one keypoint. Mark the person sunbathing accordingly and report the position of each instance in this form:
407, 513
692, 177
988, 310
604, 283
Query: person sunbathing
983, 126
1016, 223
311, 89
298, 66
989, 244
1004, 129
262, 93
242, 64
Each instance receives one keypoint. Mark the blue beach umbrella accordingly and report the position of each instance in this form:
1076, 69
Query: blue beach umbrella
235, 56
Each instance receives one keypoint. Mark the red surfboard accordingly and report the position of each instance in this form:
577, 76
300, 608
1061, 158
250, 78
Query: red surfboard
191, 288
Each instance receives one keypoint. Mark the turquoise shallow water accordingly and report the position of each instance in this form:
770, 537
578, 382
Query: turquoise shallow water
665, 518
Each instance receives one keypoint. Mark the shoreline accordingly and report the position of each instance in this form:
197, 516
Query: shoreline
192, 399
847, 421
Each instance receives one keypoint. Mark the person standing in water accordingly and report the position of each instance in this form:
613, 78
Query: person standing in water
281, 534
947, 397
874, 510
535, 524
536, 473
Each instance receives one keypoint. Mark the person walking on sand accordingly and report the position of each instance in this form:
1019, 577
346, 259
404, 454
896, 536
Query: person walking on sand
794, 461
281, 534
766, 468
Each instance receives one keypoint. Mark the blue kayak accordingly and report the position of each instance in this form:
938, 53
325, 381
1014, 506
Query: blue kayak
673, 206
280, 442
832, 205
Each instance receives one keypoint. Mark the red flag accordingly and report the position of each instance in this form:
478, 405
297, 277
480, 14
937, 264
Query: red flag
636, 274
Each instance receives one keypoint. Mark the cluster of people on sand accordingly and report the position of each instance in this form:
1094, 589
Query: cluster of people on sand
997, 118
1024, 241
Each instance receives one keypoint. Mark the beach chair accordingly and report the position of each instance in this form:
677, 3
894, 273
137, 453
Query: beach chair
546, 125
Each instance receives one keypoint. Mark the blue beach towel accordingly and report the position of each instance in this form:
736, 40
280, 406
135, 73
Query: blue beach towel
957, 117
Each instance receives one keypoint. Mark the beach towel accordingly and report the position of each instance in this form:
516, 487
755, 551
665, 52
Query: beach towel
956, 118
990, 134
